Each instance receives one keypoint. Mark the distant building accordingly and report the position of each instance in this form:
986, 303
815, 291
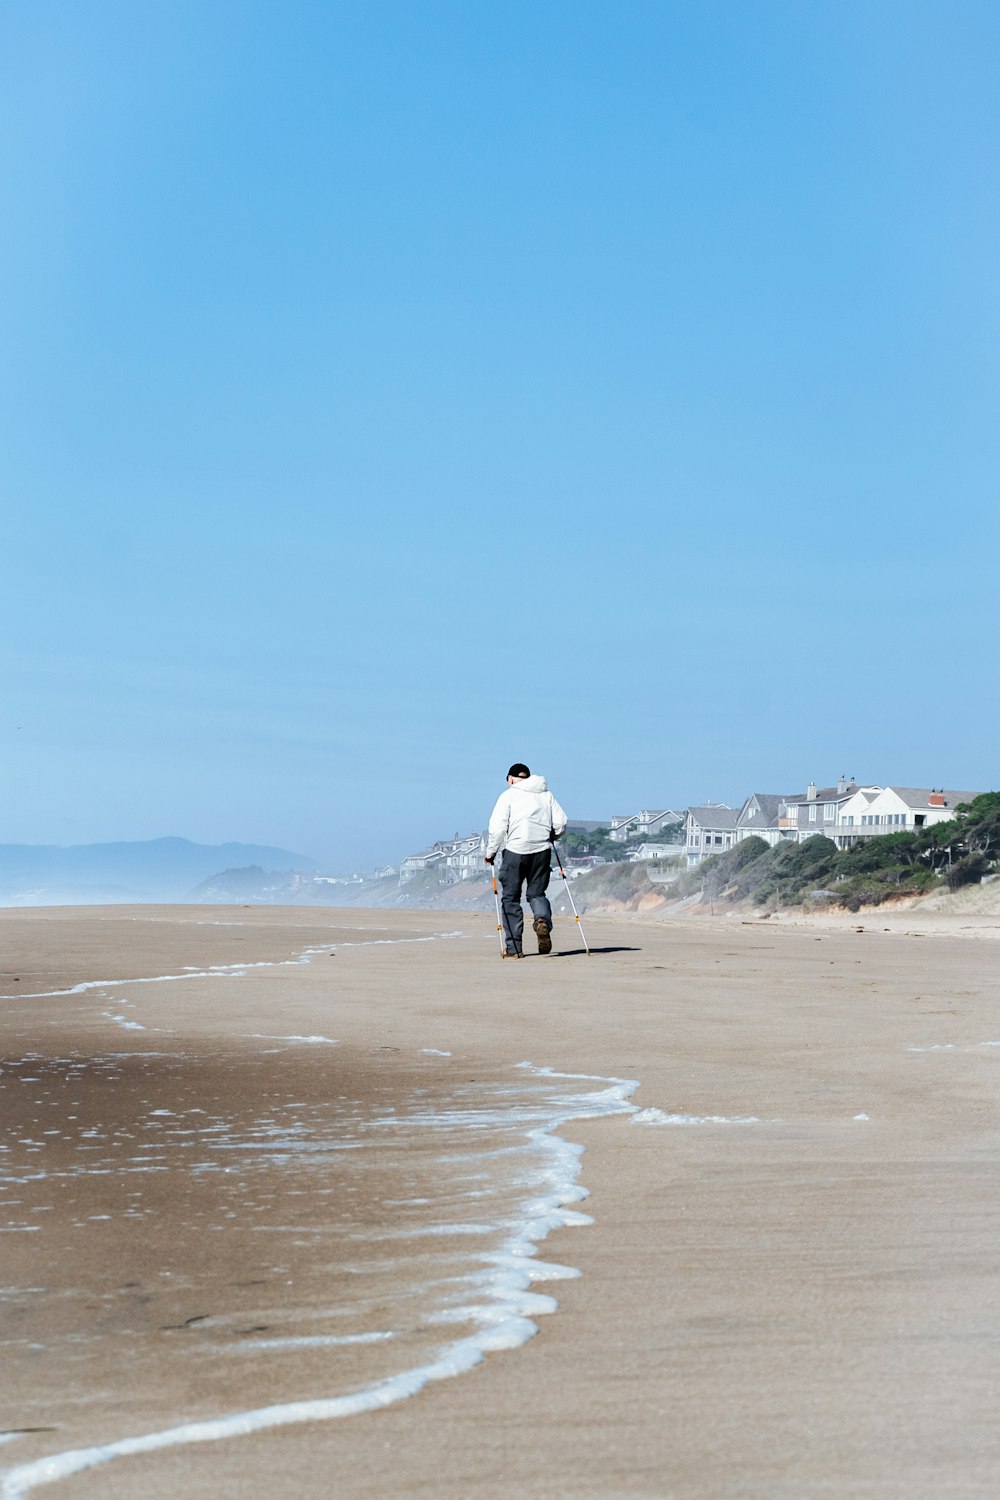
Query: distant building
845, 813
794, 816
818, 811
456, 859
644, 824
851, 814
655, 851
709, 829
761, 816
895, 808
416, 864
463, 857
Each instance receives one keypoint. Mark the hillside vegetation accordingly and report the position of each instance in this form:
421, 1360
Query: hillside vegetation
946, 856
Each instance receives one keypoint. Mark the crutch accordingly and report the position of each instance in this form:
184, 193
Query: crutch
496, 898
576, 914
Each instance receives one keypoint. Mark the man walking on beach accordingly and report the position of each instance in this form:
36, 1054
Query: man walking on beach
525, 823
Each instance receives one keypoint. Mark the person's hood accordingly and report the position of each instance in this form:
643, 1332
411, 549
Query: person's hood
531, 784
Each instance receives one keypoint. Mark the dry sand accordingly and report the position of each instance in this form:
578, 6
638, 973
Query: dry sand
802, 1305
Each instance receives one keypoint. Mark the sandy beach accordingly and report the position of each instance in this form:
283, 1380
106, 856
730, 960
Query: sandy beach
788, 1288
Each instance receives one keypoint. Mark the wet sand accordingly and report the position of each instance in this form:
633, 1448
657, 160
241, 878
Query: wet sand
798, 1302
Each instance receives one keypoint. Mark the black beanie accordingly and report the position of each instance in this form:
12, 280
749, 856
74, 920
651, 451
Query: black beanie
519, 770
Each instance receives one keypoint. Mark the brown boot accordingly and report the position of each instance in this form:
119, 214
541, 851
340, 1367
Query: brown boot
543, 931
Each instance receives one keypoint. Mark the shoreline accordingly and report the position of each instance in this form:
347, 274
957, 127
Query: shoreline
833, 1234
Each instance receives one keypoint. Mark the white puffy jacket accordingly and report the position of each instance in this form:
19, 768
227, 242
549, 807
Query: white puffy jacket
525, 817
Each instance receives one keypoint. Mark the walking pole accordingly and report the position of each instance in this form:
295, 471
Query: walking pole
496, 898
576, 914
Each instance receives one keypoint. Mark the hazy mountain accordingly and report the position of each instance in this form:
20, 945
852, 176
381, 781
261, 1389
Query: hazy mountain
153, 870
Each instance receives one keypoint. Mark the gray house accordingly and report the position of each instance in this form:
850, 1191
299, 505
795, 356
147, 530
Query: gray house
415, 864
649, 823
455, 859
761, 816
709, 830
817, 812
795, 816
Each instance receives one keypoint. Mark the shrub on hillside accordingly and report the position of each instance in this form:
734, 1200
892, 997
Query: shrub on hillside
719, 871
877, 869
884, 852
618, 882
875, 887
788, 871
965, 871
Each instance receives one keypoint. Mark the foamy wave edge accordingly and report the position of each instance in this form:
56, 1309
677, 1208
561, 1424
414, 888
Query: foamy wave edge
504, 1315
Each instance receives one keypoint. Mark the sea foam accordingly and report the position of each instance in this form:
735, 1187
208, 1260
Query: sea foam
496, 1296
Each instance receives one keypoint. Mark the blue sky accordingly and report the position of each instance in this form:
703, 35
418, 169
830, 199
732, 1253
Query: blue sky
391, 391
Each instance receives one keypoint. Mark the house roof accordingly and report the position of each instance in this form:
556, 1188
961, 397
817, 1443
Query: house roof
826, 794
769, 803
715, 816
919, 796
647, 813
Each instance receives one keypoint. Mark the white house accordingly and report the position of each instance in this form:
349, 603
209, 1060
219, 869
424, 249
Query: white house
851, 814
899, 807
846, 812
655, 851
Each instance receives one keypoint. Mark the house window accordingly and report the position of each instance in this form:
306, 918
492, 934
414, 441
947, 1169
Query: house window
812, 813
829, 812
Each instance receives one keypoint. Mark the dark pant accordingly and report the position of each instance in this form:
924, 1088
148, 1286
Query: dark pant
515, 871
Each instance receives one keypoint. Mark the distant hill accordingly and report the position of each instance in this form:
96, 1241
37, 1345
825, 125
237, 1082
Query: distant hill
165, 869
